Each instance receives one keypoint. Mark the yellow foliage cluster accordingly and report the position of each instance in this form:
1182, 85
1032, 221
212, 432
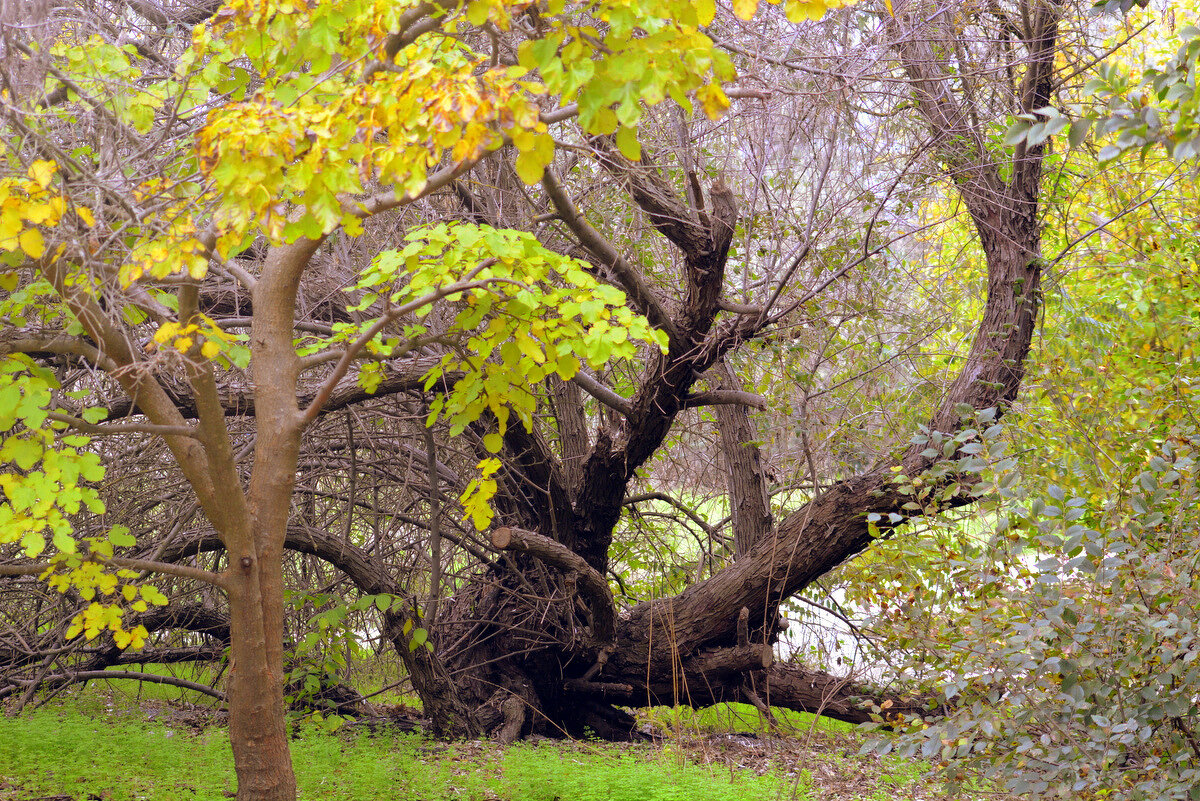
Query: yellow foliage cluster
184, 337
28, 205
796, 10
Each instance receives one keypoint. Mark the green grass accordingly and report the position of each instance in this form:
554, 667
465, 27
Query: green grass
53, 751
740, 718
82, 749
546, 773
109, 743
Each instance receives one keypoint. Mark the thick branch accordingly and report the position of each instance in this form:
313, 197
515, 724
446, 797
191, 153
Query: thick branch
88, 675
165, 568
408, 377
592, 583
670, 215
833, 527
748, 501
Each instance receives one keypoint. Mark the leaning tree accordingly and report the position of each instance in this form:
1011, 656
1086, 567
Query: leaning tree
305, 282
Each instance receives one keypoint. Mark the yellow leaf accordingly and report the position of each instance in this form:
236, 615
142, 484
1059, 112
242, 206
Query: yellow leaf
58, 205
209, 349
523, 140
628, 144
800, 10
166, 331
107, 583
745, 8
38, 213
705, 11
85, 214
42, 172
815, 10
197, 267
137, 636
530, 167
713, 100
32, 243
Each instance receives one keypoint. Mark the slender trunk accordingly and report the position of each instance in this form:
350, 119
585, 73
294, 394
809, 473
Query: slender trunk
257, 728
257, 731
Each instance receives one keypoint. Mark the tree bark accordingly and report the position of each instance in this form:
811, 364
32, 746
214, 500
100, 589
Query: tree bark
749, 505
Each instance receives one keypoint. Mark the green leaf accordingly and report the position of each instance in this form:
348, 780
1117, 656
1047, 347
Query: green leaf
121, 538
419, 637
64, 542
33, 543
628, 144
25, 453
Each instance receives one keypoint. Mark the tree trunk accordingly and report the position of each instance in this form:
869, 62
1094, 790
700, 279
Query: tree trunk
713, 642
749, 504
257, 730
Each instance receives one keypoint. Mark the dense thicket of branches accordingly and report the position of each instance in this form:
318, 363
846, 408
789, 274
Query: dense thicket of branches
706, 485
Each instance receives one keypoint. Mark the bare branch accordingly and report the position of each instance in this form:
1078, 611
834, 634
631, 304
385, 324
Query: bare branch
124, 428
645, 299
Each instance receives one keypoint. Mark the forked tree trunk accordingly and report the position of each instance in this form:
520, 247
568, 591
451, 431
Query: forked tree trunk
257, 727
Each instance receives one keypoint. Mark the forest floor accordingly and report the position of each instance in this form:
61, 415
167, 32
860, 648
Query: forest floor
101, 746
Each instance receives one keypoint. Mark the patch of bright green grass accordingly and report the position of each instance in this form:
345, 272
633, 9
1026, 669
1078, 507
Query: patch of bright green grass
62, 751
546, 773
724, 718
111, 751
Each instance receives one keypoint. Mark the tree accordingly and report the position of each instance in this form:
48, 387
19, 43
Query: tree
1062, 637
332, 104
240, 179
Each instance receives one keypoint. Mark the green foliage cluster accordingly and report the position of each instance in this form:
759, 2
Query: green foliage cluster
47, 481
523, 314
1128, 110
43, 474
1158, 107
1057, 623
1068, 659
